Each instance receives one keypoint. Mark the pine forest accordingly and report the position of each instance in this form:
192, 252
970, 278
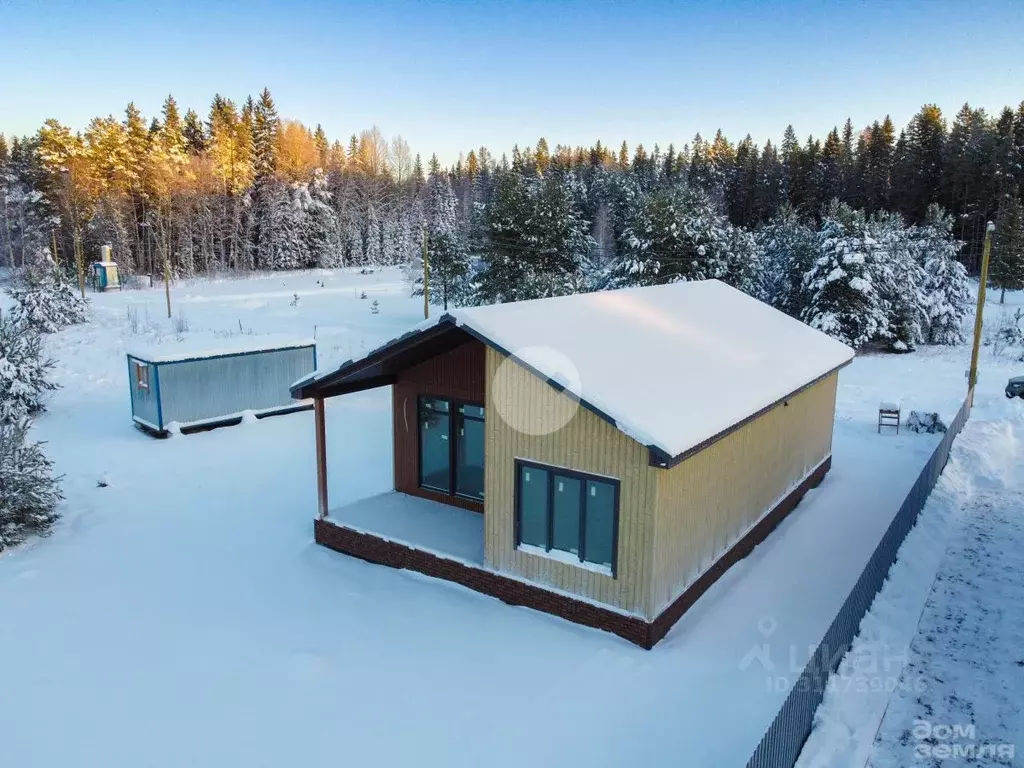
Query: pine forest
868, 234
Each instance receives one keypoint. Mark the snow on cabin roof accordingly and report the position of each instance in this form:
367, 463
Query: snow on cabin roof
671, 365
173, 350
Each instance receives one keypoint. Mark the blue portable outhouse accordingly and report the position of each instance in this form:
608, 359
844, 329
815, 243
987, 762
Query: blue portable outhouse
104, 271
187, 390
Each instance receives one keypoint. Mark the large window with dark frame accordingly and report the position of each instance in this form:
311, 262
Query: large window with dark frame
452, 447
566, 512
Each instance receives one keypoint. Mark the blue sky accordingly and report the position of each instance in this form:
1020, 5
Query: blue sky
453, 75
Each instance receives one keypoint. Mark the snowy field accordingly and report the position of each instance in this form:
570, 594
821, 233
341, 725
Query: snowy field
935, 676
183, 615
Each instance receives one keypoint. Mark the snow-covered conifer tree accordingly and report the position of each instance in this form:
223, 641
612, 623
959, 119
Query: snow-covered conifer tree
29, 493
406, 232
353, 243
899, 280
447, 253
319, 230
45, 300
450, 273
675, 233
269, 200
389, 240
787, 248
505, 244
842, 300
559, 239
288, 249
373, 245
945, 287
1007, 271
24, 370
442, 213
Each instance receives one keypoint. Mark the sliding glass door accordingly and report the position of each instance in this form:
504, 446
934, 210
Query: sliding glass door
452, 447
435, 445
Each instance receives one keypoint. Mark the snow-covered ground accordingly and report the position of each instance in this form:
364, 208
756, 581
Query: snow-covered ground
183, 616
935, 673
967, 659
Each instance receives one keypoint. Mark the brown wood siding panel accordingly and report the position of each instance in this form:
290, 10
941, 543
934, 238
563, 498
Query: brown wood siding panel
707, 502
459, 375
586, 443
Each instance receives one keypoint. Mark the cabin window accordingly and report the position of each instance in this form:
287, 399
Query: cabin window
452, 447
435, 445
469, 451
532, 494
569, 514
142, 376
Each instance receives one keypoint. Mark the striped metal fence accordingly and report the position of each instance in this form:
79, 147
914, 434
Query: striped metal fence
784, 739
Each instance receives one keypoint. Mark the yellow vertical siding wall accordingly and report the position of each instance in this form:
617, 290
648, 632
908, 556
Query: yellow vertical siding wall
710, 499
586, 443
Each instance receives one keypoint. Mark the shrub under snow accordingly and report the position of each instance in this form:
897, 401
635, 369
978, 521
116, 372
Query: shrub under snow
46, 301
23, 370
29, 493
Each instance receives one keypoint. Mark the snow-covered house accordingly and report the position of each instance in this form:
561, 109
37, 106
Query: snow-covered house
604, 457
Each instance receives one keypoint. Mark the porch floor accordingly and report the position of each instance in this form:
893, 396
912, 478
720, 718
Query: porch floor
420, 523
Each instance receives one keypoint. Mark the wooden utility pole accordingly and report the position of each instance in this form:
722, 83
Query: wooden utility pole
426, 277
167, 281
79, 260
972, 377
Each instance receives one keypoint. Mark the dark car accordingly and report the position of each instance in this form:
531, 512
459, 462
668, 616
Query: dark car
1015, 387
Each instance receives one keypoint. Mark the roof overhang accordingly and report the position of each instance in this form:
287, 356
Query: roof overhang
382, 366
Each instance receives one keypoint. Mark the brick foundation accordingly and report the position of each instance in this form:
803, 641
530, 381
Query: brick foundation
510, 590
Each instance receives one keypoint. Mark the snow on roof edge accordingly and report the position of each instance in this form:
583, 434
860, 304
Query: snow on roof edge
604, 411
322, 373
466, 319
174, 352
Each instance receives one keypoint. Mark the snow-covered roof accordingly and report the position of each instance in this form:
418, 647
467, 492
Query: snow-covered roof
173, 350
672, 366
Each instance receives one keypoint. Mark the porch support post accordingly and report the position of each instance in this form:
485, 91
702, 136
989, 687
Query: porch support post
321, 457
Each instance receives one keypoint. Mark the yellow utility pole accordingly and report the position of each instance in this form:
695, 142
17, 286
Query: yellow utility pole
53, 248
167, 281
80, 260
426, 277
972, 377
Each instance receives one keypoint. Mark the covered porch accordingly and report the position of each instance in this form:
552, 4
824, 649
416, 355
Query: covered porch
438, 413
434, 521
417, 523
434, 512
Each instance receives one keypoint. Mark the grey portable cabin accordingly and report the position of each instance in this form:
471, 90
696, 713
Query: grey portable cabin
197, 391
